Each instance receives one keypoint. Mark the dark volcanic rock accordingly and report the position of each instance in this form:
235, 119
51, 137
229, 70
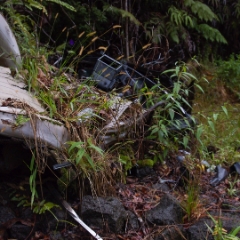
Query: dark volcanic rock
200, 231
168, 211
170, 233
55, 235
6, 214
229, 219
161, 187
104, 213
55, 220
20, 231
132, 220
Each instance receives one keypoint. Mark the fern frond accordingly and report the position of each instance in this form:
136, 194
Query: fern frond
214, 2
172, 32
210, 33
180, 17
64, 4
122, 12
175, 15
154, 29
237, 9
35, 4
201, 10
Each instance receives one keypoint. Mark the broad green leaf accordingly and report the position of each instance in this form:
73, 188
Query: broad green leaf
225, 110
64, 4
215, 116
199, 132
164, 129
185, 141
199, 87
154, 130
74, 145
81, 152
93, 146
90, 161
97, 149
21, 203
50, 205
211, 124
171, 113
235, 231
191, 76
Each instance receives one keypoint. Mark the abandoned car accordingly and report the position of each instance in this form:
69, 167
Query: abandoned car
26, 124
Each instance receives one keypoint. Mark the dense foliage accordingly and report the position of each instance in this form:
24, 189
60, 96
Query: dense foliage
152, 34
176, 29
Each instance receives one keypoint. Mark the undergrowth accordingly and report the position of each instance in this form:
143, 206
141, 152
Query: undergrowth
85, 111
228, 72
218, 118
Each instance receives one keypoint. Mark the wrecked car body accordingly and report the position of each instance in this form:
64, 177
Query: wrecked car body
9, 51
23, 124
15, 101
24, 118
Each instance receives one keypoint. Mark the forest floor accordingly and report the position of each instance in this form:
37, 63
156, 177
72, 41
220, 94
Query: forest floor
139, 194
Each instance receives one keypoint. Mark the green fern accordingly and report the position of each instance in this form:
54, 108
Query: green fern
34, 4
30, 4
180, 17
201, 10
172, 32
210, 33
237, 9
154, 29
122, 12
64, 4
215, 3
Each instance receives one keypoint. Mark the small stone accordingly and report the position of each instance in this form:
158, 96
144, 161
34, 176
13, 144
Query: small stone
20, 231
132, 220
6, 214
168, 211
200, 231
161, 187
104, 213
170, 233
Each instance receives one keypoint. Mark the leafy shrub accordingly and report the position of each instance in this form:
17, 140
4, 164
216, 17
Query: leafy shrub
229, 72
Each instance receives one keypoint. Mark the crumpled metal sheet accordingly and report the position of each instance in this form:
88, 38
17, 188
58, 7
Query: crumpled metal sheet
13, 88
9, 51
123, 120
127, 115
221, 175
49, 131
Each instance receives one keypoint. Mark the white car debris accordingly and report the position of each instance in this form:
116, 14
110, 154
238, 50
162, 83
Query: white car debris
15, 100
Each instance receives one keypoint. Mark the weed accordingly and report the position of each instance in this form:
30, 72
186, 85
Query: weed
21, 119
191, 202
81, 152
32, 180
232, 189
39, 207
218, 127
219, 233
65, 100
228, 71
172, 126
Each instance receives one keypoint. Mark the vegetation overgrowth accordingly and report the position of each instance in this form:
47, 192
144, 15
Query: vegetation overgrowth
181, 26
